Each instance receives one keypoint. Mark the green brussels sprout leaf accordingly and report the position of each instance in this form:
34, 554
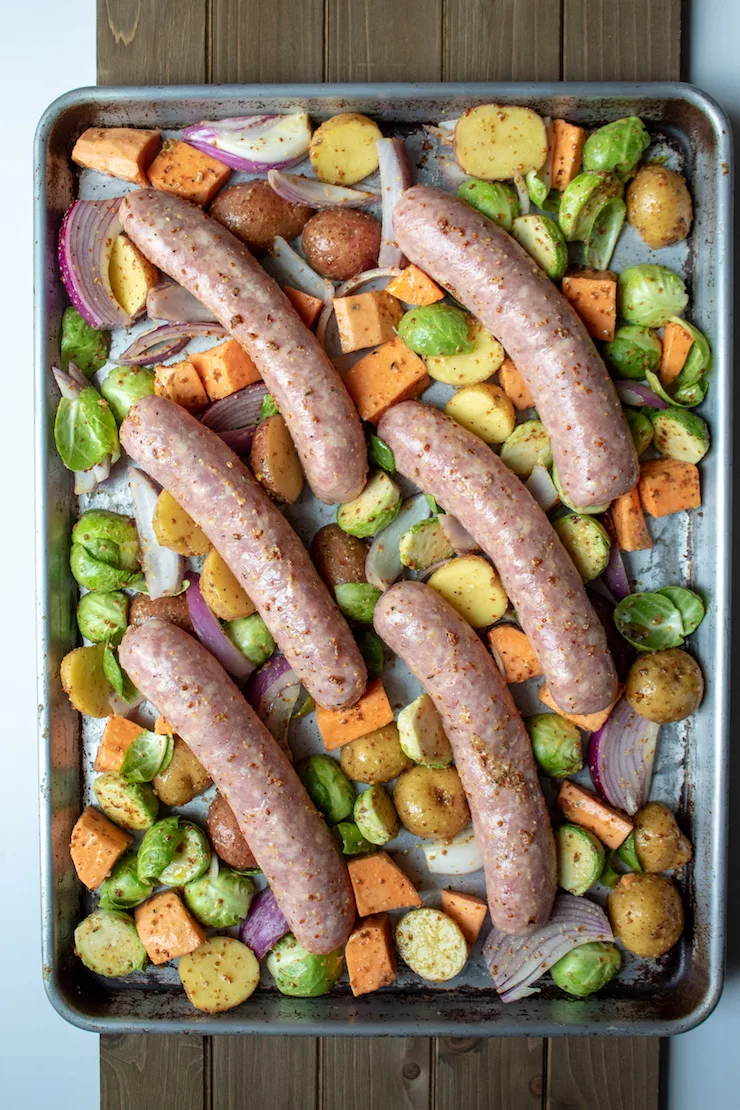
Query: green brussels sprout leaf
379, 454
103, 617
632, 352
609, 877
641, 427
649, 621
82, 344
627, 853
494, 199
605, 231
650, 295
436, 509
85, 431
149, 755
350, 839
110, 537
123, 889
689, 604
191, 859
269, 407
436, 329
158, 848
687, 398
306, 705
125, 385
120, 682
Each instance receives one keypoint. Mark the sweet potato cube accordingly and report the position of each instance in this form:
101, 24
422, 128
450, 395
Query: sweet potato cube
180, 382
668, 486
131, 276
514, 386
583, 808
387, 375
162, 727
567, 151
415, 287
514, 653
166, 928
308, 307
366, 319
370, 956
468, 911
181, 169
677, 343
594, 297
124, 152
118, 737
589, 722
225, 369
339, 726
629, 522
380, 884
95, 845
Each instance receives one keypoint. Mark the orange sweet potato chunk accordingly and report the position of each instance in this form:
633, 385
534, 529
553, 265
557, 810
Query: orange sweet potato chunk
567, 152
468, 911
415, 287
118, 737
370, 956
95, 845
189, 173
387, 375
166, 928
629, 522
367, 319
514, 386
589, 722
340, 726
516, 653
380, 884
162, 726
225, 369
180, 382
677, 343
124, 152
594, 297
583, 808
308, 307
668, 486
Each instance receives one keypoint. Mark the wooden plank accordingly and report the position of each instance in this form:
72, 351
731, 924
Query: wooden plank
136, 1070
259, 41
501, 40
279, 1073
609, 1072
383, 40
482, 1073
621, 40
143, 42
366, 1073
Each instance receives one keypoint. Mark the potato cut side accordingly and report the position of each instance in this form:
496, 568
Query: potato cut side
473, 588
176, 529
131, 275
343, 150
274, 461
84, 681
432, 944
219, 975
485, 410
223, 595
484, 360
495, 141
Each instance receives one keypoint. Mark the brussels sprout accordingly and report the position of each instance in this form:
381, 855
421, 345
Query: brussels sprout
586, 541
582, 199
617, 146
350, 839
556, 744
528, 446
424, 544
107, 942
103, 618
495, 200
436, 329
678, 434
328, 787
123, 889
269, 407
371, 649
379, 454
157, 849
650, 295
632, 352
537, 187
375, 815
431, 502
105, 550
116, 675
551, 203
581, 858
191, 859
300, 974
686, 398
627, 853
125, 385
588, 968
543, 241
252, 636
132, 805
698, 359
357, 600
82, 344
689, 605
641, 427
590, 510
609, 877
149, 755
374, 509
85, 430
220, 898
605, 231
649, 621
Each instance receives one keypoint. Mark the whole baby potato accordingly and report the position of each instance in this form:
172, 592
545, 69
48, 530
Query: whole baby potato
665, 686
376, 757
659, 843
255, 213
431, 801
226, 836
183, 779
337, 556
659, 206
172, 609
340, 243
646, 913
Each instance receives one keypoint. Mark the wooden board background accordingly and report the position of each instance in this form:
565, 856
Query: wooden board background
142, 42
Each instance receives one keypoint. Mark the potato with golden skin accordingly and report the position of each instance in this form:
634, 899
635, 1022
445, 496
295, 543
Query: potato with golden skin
659, 206
274, 461
255, 213
665, 686
659, 843
375, 758
431, 801
337, 556
646, 914
183, 779
339, 243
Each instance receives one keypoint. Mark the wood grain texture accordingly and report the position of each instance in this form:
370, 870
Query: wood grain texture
267, 1073
151, 42
383, 40
501, 40
391, 1073
611, 1073
621, 40
266, 40
135, 1071
481, 1073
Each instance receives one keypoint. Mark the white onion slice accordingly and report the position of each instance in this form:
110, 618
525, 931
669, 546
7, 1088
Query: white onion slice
542, 488
395, 178
458, 537
163, 569
621, 756
383, 562
288, 268
298, 189
459, 855
523, 193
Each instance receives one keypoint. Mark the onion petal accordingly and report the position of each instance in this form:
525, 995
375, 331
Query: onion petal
615, 576
541, 486
254, 143
172, 302
88, 232
265, 925
242, 409
383, 562
163, 342
621, 758
288, 268
87, 481
523, 193
458, 537
238, 439
455, 855
273, 692
163, 568
298, 189
517, 962
395, 178
635, 393
212, 636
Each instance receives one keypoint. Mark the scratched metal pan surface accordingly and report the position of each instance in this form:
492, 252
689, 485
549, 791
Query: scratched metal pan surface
649, 997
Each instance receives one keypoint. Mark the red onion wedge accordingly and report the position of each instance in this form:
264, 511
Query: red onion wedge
212, 636
297, 189
163, 569
69, 387
242, 409
621, 758
170, 301
288, 268
89, 229
273, 693
615, 576
517, 962
265, 925
239, 439
163, 342
254, 143
637, 394
395, 178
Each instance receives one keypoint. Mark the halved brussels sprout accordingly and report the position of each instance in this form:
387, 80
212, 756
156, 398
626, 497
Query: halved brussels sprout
220, 898
123, 889
586, 541
350, 839
556, 744
650, 295
587, 968
132, 805
82, 344
191, 859
103, 618
328, 787
357, 600
374, 509
252, 636
299, 973
543, 241
436, 329
582, 199
157, 849
632, 352
371, 649
581, 858
125, 385
105, 550
649, 621
678, 434
375, 815
107, 942
641, 427
605, 231
617, 146
528, 446
497, 201
689, 604
148, 756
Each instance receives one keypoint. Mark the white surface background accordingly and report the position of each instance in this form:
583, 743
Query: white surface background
46, 48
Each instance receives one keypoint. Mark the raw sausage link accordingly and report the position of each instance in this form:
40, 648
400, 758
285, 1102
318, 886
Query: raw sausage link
208, 480
492, 751
215, 267
290, 840
471, 482
486, 270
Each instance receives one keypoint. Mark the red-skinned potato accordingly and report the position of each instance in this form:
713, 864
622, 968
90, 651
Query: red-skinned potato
340, 243
255, 213
226, 836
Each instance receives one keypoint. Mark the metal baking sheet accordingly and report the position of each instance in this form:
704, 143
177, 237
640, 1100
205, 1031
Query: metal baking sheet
649, 997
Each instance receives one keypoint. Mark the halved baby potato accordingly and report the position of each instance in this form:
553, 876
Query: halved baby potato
496, 141
274, 460
485, 410
432, 944
131, 275
484, 360
219, 975
176, 529
84, 681
473, 588
223, 595
343, 150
